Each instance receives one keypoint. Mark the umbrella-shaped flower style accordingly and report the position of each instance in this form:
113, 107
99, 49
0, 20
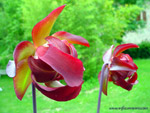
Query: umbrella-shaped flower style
119, 68
47, 61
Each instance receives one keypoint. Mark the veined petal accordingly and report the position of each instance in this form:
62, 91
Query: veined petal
73, 39
125, 57
105, 80
11, 69
42, 29
108, 54
123, 47
69, 67
119, 65
22, 79
63, 93
41, 71
58, 44
23, 50
73, 51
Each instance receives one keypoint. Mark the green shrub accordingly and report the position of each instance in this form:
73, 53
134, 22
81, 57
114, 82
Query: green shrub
139, 2
10, 28
142, 52
127, 15
98, 21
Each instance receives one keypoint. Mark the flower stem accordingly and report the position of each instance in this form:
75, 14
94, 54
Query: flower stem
34, 98
101, 86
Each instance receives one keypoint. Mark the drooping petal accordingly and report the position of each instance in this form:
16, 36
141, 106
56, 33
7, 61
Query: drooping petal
118, 80
73, 39
69, 67
119, 65
22, 79
23, 50
133, 78
105, 80
108, 54
42, 29
58, 44
11, 69
123, 47
41, 71
63, 93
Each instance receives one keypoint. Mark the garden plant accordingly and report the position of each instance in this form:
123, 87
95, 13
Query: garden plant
52, 66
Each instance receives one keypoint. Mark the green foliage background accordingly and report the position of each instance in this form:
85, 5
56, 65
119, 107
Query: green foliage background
142, 52
101, 22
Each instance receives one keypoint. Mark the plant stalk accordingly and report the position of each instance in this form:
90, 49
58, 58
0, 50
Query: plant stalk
34, 98
101, 87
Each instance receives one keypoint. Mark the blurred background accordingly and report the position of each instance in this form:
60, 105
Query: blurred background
102, 23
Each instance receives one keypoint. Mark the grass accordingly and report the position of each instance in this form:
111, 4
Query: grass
86, 102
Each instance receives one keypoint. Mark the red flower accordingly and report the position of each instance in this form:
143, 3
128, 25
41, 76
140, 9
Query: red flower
120, 68
48, 60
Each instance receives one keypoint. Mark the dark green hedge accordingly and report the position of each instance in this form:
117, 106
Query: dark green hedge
142, 52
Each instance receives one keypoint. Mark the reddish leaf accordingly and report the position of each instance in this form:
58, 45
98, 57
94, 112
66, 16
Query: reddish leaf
42, 29
73, 39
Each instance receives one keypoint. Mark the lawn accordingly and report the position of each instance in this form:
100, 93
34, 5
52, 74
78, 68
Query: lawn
86, 102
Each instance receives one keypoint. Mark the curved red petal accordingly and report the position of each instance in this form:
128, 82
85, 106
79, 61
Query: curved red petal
133, 78
122, 65
22, 80
73, 51
105, 80
63, 93
69, 67
123, 47
41, 51
42, 29
23, 50
41, 71
118, 80
71, 38
58, 44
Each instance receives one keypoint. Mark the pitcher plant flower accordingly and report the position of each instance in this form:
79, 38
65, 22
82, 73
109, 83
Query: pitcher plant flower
118, 68
47, 61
